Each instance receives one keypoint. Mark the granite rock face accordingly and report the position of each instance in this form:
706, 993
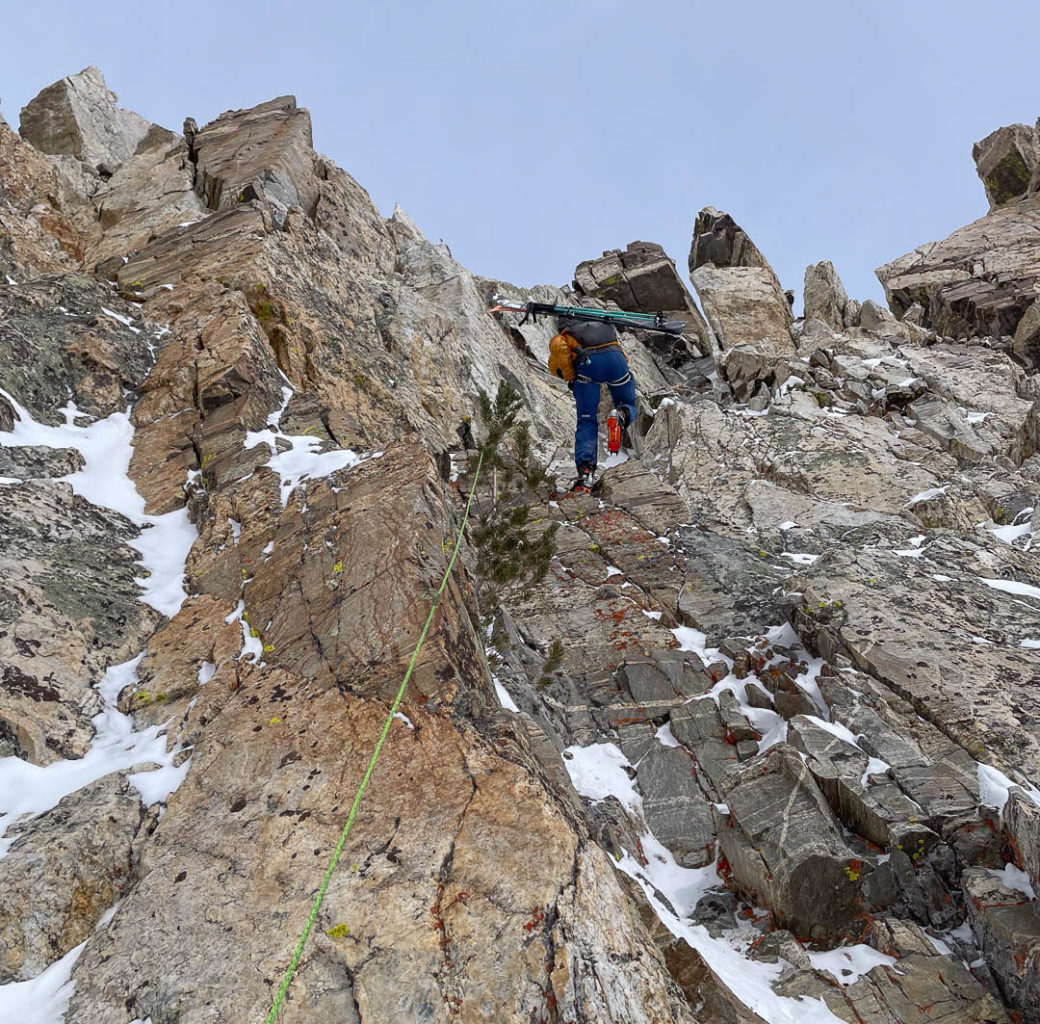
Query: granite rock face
78, 117
982, 278
775, 691
1007, 162
642, 278
262, 152
824, 295
740, 293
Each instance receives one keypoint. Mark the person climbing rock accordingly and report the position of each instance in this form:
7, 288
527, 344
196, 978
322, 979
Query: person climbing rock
588, 355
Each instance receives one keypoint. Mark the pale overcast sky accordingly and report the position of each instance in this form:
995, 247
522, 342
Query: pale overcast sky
530, 136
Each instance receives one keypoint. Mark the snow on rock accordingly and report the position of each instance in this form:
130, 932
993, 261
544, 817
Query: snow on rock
994, 786
1015, 878
45, 998
932, 492
850, 963
1012, 587
503, 695
599, 771
29, 789
252, 645
304, 460
106, 447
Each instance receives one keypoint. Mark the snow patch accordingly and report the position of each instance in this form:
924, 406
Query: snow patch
106, 447
124, 320
665, 738
1015, 878
1009, 534
503, 696
933, 492
598, 771
29, 789
994, 786
1012, 587
251, 642
850, 963
45, 998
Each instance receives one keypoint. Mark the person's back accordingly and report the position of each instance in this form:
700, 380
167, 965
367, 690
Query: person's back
588, 355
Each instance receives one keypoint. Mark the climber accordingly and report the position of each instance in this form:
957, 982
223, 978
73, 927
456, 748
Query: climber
587, 355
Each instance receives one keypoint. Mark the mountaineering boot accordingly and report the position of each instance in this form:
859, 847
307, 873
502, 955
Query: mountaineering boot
583, 484
614, 429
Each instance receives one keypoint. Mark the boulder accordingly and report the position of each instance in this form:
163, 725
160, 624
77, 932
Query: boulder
77, 116
784, 847
1007, 927
1006, 161
37, 462
871, 805
63, 872
744, 368
739, 292
674, 806
264, 152
642, 278
978, 281
698, 726
824, 295
719, 241
745, 306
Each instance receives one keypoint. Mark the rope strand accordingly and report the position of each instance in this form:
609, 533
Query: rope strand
298, 953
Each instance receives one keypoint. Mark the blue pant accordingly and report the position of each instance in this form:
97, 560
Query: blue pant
600, 366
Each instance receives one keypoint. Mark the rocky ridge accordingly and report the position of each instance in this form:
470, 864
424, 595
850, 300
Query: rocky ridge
780, 762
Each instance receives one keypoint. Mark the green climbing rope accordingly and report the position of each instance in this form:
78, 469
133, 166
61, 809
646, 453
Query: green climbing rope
290, 971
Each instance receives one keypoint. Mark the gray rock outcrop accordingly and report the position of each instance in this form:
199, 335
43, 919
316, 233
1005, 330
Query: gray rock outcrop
1007, 161
738, 290
983, 277
78, 117
642, 278
824, 295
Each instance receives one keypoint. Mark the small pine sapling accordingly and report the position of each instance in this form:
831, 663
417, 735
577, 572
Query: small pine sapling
507, 551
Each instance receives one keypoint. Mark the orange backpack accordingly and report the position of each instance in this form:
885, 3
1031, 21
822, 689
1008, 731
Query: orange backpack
561, 356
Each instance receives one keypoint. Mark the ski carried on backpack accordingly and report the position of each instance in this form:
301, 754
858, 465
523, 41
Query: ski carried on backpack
619, 318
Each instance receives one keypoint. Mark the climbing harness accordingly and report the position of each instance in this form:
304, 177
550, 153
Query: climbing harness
290, 971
